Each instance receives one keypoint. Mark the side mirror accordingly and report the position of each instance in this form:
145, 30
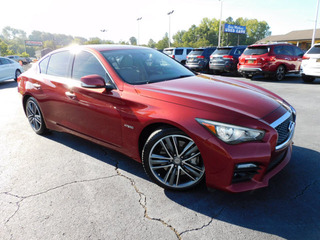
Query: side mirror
92, 81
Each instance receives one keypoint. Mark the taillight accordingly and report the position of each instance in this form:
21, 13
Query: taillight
172, 56
202, 57
211, 56
187, 57
228, 57
305, 57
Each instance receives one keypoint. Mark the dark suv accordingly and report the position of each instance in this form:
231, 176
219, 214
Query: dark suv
225, 59
274, 59
198, 58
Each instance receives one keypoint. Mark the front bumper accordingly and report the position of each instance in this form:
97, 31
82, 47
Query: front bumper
249, 166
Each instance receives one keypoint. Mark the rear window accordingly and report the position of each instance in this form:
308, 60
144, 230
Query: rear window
315, 50
197, 52
222, 51
168, 51
256, 50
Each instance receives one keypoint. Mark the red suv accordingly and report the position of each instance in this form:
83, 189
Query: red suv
274, 59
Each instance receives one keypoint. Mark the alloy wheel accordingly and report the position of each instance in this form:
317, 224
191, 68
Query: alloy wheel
175, 161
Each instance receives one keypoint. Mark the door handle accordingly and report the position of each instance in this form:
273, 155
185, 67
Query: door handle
70, 95
36, 85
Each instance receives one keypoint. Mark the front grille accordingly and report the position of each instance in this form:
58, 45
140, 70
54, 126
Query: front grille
283, 129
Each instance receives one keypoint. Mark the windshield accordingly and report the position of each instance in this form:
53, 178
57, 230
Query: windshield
256, 50
141, 66
315, 49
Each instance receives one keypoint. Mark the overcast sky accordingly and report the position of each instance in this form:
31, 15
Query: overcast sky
119, 17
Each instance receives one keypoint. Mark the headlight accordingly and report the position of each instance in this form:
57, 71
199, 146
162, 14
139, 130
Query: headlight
231, 134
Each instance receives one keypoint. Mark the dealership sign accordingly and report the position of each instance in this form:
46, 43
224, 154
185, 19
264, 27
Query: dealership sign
33, 43
229, 28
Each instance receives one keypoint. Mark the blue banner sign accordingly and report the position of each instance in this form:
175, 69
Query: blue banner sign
229, 28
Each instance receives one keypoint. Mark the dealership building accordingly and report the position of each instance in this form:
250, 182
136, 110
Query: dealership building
300, 38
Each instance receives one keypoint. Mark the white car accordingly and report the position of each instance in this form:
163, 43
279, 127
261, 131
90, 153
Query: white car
9, 69
310, 66
179, 53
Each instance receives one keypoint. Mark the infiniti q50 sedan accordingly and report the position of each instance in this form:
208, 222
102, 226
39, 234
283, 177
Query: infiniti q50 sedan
182, 127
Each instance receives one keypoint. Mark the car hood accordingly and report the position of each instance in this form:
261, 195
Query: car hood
207, 93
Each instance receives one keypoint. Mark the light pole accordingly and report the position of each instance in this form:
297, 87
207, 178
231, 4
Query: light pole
169, 13
138, 20
220, 23
104, 31
315, 25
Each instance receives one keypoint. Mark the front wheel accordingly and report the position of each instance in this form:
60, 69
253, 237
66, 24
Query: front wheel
172, 159
35, 117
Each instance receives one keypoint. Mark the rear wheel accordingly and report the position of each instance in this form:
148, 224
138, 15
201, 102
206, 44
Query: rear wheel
308, 79
280, 73
35, 117
172, 159
17, 74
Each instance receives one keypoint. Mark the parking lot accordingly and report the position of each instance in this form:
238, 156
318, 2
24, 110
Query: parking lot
62, 187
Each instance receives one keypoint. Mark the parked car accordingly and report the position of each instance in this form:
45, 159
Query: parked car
198, 58
310, 66
225, 59
182, 126
9, 69
17, 59
179, 53
274, 60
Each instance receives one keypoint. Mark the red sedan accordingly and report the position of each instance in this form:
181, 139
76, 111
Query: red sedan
183, 127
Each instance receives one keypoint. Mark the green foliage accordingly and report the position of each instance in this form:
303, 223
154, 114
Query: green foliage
163, 43
133, 41
24, 54
12, 41
207, 32
151, 43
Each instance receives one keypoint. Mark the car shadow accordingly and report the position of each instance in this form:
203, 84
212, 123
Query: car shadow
98, 152
289, 207
8, 84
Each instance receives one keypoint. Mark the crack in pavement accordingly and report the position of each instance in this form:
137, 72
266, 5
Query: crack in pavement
143, 203
304, 190
205, 225
48, 190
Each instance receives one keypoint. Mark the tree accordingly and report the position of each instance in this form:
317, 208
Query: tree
151, 43
163, 43
95, 40
133, 41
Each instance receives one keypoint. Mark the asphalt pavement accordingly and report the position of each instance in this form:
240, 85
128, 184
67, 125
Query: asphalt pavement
59, 186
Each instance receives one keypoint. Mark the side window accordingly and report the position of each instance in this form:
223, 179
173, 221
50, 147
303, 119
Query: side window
86, 64
59, 64
288, 50
179, 51
297, 51
188, 51
43, 65
277, 50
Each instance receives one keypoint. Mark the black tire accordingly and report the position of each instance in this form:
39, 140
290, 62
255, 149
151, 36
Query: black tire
308, 79
280, 73
35, 116
247, 76
172, 159
17, 74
